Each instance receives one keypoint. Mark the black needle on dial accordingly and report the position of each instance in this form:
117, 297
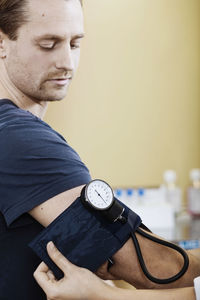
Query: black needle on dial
100, 196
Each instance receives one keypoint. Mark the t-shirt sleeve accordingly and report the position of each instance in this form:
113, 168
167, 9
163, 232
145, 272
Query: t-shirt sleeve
36, 164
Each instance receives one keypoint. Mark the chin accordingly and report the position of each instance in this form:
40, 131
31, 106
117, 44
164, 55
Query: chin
48, 98
56, 96
54, 99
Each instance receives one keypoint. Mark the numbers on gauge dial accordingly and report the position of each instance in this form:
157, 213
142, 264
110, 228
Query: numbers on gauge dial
99, 194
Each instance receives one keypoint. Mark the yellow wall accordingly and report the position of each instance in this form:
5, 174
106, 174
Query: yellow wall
133, 109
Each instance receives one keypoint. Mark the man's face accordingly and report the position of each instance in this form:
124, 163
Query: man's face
42, 61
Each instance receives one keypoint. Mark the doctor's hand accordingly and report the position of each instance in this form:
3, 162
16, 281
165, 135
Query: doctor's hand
77, 283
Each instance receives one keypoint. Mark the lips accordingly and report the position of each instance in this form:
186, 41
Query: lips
60, 81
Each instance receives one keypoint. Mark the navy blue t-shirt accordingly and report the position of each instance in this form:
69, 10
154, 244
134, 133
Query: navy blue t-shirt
36, 164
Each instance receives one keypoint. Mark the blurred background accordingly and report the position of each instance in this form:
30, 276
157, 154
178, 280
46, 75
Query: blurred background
133, 109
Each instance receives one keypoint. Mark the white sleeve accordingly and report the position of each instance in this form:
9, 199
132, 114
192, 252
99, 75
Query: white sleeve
197, 287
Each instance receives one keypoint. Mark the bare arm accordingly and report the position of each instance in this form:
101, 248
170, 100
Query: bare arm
46, 212
161, 261
79, 283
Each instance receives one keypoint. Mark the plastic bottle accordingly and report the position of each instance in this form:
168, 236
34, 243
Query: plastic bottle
173, 193
141, 196
193, 193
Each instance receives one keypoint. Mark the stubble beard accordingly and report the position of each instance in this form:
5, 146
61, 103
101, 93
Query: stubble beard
47, 94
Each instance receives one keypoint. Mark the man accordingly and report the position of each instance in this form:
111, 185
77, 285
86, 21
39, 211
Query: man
39, 51
40, 174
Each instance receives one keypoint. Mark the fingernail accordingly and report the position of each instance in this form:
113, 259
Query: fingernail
51, 246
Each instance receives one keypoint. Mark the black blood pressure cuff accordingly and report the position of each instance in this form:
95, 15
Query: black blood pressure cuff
85, 237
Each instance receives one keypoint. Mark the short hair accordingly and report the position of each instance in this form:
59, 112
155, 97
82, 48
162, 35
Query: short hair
13, 14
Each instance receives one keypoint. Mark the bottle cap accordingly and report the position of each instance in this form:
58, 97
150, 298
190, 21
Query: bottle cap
129, 192
118, 192
195, 175
170, 176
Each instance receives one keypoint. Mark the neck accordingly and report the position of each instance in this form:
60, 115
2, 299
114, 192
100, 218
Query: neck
9, 91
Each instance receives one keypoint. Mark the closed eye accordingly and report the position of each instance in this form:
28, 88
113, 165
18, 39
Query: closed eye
75, 45
47, 46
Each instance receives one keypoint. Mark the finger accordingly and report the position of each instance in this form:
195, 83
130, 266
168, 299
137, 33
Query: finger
63, 263
50, 275
43, 267
42, 278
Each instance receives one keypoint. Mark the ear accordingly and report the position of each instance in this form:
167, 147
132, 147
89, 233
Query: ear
2, 45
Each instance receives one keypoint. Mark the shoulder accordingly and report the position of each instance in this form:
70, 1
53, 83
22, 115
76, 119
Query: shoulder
12, 118
24, 136
27, 133
11, 115
31, 145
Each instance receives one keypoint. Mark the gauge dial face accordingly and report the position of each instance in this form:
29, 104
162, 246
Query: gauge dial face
99, 194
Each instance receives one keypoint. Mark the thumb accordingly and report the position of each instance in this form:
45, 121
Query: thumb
63, 263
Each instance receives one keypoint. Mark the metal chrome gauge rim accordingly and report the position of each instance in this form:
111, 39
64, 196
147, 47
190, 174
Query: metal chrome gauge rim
99, 194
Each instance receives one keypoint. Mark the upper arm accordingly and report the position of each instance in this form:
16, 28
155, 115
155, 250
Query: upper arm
40, 173
46, 212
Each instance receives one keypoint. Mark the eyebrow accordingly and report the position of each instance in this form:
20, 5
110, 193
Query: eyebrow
57, 37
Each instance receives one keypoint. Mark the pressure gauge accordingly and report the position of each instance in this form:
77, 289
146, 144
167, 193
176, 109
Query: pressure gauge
99, 194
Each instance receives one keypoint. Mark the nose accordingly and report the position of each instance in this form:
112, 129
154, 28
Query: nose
64, 59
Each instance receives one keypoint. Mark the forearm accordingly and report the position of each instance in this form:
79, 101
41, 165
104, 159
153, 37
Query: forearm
162, 262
